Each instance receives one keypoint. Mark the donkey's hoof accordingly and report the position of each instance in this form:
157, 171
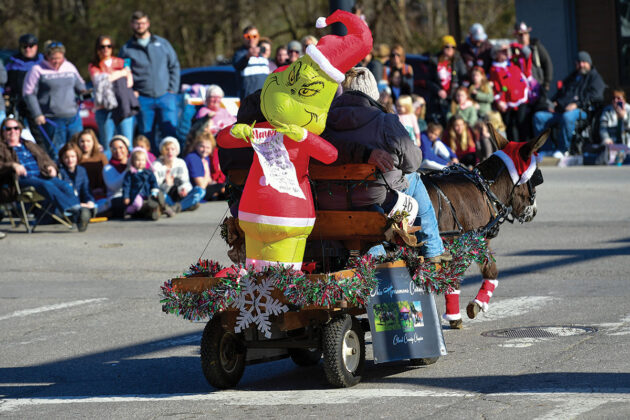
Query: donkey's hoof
473, 309
458, 324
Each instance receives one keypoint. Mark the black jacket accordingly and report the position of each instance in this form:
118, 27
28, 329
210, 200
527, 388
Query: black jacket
583, 89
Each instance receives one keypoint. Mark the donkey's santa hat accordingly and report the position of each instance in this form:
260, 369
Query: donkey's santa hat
335, 54
520, 170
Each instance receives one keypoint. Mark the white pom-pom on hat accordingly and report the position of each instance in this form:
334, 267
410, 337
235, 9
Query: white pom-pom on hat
321, 22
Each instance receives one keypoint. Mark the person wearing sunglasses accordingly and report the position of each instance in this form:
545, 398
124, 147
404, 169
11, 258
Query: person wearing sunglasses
112, 78
50, 90
451, 70
34, 168
397, 62
17, 66
155, 69
252, 68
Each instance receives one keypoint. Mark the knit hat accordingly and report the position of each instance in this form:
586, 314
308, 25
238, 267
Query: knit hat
477, 33
294, 46
28, 39
522, 27
448, 40
584, 56
121, 138
365, 82
168, 139
335, 54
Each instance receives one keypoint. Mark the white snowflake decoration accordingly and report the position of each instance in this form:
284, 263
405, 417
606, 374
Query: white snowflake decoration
256, 304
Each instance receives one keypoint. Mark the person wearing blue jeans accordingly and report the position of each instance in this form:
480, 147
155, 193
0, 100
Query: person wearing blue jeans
192, 198
161, 112
60, 130
430, 234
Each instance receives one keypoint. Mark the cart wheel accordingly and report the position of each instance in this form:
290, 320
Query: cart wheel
305, 357
222, 355
425, 361
344, 351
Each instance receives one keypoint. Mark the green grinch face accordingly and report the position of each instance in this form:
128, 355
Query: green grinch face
299, 95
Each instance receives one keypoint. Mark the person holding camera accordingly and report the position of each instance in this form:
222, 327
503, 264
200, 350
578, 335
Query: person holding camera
614, 124
251, 66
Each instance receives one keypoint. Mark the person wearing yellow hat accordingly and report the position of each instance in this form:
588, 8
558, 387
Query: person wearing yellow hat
451, 71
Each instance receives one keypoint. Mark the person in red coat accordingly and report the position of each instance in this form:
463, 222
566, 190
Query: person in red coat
510, 91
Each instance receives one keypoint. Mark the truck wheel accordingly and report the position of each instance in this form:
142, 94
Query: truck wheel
222, 355
305, 357
343, 343
425, 361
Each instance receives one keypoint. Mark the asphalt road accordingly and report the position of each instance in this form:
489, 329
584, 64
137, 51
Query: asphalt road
83, 335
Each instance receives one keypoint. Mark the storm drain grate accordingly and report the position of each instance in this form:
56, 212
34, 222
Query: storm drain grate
540, 332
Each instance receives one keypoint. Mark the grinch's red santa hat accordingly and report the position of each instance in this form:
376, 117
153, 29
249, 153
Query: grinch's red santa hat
335, 54
520, 171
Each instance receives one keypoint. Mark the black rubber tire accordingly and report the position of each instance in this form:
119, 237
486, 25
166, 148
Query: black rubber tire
305, 357
223, 355
334, 334
425, 361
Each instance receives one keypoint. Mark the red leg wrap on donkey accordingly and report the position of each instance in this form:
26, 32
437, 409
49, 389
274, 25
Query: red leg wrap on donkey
485, 293
452, 306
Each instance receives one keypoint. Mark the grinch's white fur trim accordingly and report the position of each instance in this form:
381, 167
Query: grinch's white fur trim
516, 180
483, 305
321, 60
452, 317
454, 292
321, 22
260, 264
495, 283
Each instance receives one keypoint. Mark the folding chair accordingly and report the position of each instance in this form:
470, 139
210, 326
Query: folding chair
29, 199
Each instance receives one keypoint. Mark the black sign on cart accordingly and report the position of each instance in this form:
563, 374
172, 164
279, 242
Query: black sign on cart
403, 318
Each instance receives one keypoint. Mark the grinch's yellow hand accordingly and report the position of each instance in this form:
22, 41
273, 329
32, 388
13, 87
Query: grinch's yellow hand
243, 131
292, 131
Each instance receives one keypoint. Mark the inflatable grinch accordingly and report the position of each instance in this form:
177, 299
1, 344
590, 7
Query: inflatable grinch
276, 209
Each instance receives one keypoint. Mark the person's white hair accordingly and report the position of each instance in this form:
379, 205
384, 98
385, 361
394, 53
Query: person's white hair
214, 90
362, 80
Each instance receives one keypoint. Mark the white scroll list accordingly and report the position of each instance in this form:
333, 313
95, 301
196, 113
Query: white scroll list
274, 160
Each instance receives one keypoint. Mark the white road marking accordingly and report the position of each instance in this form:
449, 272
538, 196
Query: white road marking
587, 397
33, 311
572, 408
617, 328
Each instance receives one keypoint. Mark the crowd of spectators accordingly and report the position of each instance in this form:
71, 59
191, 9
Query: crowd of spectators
136, 167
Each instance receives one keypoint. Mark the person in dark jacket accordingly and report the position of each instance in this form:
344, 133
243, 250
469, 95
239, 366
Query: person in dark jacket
356, 118
582, 88
542, 67
140, 191
475, 50
451, 72
34, 168
76, 175
17, 66
155, 70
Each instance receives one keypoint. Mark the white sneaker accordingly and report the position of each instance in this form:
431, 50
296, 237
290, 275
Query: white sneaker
558, 154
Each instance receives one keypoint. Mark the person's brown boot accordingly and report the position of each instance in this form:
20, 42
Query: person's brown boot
442, 258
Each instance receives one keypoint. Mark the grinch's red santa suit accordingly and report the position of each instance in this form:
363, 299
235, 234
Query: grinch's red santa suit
509, 84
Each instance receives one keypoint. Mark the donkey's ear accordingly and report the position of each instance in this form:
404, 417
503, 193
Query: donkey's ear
534, 144
499, 141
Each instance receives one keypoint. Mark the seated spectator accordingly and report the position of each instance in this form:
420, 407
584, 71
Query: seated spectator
386, 101
172, 178
294, 49
140, 192
218, 116
435, 154
142, 141
475, 50
420, 111
114, 173
308, 40
480, 90
397, 62
483, 142
459, 137
398, 85
464, 106
407, 118
281, 58
582, 88
93, 160
614, 124
510, 92
34, 168
202, 161
76, 175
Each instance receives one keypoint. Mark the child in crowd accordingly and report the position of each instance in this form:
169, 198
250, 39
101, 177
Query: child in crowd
203, 166
481, 91
386, 101
435, 154
76, 175
420, 110
404, 107
141, 193
93, 160
464, 106
483, 142
459, 137
143, 141
172, 177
